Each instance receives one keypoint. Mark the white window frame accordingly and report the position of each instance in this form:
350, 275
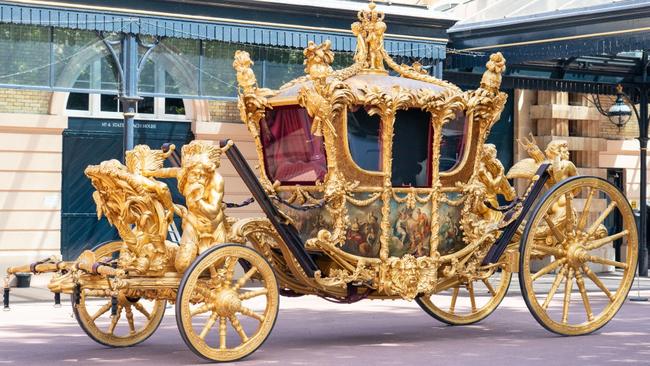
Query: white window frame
94, 102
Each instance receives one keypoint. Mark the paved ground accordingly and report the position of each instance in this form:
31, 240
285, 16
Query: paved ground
311, 331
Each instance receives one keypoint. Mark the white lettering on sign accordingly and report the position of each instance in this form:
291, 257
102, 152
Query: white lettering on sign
149, 126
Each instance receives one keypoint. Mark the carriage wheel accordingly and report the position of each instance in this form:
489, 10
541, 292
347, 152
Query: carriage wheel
466, 304
221, 314
560, 248
136, 319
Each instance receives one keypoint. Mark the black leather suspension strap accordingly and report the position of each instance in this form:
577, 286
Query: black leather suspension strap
501, 244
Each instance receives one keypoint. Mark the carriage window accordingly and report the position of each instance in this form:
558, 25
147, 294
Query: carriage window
363, 138
453, 141
292, 154
411, 149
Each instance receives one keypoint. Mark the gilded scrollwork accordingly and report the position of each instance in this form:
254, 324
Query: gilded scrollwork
139, 207
252, 104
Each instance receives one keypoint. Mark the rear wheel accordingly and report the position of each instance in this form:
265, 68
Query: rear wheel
565, 248
468, 303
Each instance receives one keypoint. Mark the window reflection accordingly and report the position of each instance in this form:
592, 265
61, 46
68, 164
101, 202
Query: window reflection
363, 138
453, 142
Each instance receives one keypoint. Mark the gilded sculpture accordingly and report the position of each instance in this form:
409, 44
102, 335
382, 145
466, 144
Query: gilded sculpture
440, 235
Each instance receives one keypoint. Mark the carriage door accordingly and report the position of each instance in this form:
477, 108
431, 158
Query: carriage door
89, 141
410, 213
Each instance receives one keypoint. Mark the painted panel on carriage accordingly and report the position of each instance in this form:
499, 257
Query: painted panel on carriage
307, 222
410, 229
450, 231
363, 233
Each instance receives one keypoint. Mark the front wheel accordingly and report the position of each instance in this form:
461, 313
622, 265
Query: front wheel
221, 314
566, 246
135, 320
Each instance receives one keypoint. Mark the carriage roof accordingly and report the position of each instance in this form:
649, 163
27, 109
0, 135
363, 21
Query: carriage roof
330, 96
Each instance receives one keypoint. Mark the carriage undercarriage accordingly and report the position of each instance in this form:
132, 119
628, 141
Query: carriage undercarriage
341, 223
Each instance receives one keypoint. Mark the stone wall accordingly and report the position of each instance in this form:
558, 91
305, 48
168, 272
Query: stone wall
24, 101
223, 111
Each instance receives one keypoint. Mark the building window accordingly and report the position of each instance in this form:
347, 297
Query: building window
174, 106
109, 103
78, 102
109, 106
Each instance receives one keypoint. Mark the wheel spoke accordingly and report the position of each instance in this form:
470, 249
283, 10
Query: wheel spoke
585, 298
238, 328
222, 333
454, 296
200, 310
592, 229
585, 211
567, 296
556, 284
252, 294
472, 299
250, 313
208, 325
556, 252
129, 318
102, 311
605, 261
594, 278
595, 244
139, 307
548, 268
114, 319
242, 281
569, 218
490, 289
230, 268
558, 235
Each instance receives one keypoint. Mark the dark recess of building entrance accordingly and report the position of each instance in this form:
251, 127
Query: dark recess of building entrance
89, 141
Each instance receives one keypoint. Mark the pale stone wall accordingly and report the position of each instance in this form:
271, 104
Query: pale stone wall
30, 177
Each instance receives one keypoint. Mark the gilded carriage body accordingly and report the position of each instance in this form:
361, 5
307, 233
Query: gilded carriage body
377, 169
375, 182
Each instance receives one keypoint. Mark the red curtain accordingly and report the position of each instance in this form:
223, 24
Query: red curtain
291, 153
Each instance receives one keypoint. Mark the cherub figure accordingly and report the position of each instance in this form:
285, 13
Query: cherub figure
203, 188
557, 151
493, 182
375, 28
204, 222
361, 52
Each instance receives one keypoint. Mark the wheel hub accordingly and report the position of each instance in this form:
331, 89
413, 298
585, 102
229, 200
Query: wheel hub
226, 302
576, 255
